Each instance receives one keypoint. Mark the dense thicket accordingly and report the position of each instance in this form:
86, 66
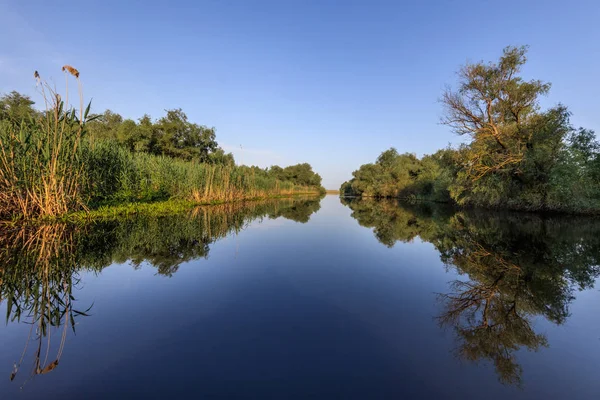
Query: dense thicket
516, 155
61, 159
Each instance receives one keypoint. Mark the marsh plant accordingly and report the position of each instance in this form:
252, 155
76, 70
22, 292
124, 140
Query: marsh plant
61, 159
41, 173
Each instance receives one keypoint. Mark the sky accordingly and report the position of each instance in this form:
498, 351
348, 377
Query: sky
328, 82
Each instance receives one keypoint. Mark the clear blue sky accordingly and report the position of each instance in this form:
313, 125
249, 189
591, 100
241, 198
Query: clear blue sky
329, 82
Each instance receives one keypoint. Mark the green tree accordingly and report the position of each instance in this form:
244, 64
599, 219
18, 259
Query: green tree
513, 146
302, 174
16, 107
105, 126
220, 157
277, 172
177, 137
403, 176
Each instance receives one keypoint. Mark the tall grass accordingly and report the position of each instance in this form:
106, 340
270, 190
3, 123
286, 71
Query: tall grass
115, 175
49, 168
41, 173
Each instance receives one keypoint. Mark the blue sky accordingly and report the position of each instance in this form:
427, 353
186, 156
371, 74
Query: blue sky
332, 83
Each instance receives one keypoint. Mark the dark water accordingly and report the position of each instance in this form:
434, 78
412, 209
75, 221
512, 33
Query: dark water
301, 299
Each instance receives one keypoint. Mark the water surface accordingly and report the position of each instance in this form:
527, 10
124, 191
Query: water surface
303, 299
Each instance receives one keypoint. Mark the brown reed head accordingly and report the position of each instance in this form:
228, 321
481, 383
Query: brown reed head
71, 70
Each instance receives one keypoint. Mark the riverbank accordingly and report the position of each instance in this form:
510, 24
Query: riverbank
155, 209
64, 162
591, 212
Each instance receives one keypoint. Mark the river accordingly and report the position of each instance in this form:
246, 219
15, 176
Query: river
303, 298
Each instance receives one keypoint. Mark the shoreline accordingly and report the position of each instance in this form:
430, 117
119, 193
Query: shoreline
154, 208
594, 213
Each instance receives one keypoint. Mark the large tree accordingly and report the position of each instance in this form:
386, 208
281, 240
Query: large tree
183, 139
513, 145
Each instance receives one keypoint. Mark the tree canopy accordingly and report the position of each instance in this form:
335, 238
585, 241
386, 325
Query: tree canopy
516, 155
16, 107
172, 135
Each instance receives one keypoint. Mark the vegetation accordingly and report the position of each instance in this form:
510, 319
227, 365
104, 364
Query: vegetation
63, 159
403, 176
41, 171
172, 135
516, 156
40, 265
511, 268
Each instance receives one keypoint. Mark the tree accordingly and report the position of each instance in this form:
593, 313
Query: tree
302, 174
16, 107
583, 141
146, 136
173, 135
105, 126
127, 134
513, 146
402, 176
220, 157
177, 137
277, 172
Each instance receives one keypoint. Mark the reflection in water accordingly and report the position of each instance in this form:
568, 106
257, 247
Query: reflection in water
39, 265
515, 266
37, 276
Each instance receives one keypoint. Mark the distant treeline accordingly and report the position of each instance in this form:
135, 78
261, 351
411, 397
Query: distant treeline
517, 156
61, 159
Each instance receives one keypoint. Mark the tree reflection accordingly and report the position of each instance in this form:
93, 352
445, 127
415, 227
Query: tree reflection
492, 319
516, 267
40, 265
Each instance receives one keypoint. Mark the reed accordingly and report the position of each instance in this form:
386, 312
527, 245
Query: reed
118, 176
49, 168
41, 173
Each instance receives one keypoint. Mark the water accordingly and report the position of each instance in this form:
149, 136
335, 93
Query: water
301, 299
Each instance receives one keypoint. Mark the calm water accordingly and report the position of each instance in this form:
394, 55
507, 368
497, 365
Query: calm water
303, 299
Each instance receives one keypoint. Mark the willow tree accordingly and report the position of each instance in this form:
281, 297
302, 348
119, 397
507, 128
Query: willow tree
513, 145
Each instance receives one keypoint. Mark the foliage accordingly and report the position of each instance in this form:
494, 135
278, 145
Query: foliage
403, 176
116, 175
513, 146
301, 174
15, 107
61, 160
517, 156
172, 135
41, 172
